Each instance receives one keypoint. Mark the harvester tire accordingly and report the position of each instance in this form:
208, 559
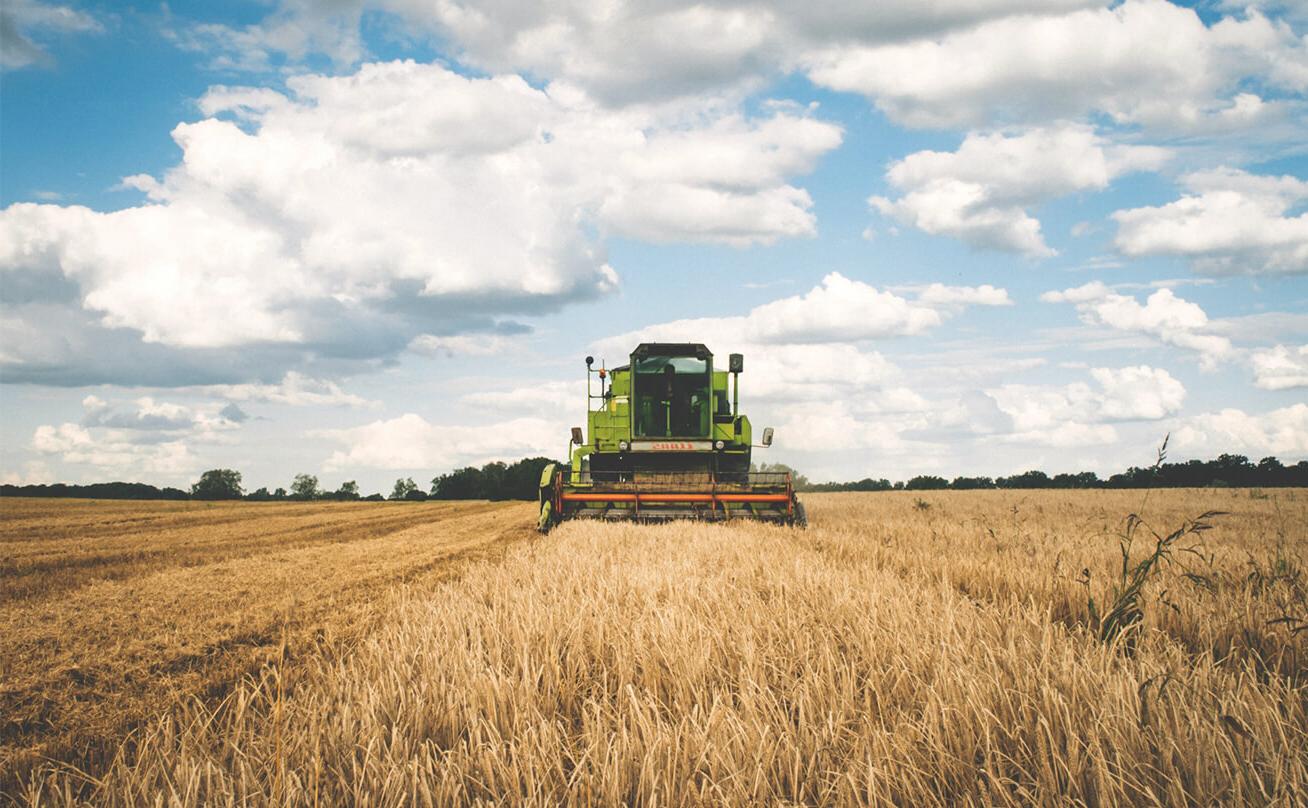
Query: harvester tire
546, 517
801, 515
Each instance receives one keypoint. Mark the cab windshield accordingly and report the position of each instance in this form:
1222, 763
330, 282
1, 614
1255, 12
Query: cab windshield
672, 397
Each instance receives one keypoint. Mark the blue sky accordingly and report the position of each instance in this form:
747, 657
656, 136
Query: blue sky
374, 238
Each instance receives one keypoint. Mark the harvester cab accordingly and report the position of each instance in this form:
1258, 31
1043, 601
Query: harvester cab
665, 440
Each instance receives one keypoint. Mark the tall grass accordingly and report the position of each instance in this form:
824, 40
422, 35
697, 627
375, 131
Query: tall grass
891, 654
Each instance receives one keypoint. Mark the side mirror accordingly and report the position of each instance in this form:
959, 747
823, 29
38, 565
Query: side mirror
576, 436
767, 436
736, 363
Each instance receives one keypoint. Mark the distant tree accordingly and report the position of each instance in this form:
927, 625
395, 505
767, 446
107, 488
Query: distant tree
522, 479
416, 495
1027, 479
305, 486
494, 481
798, 480
349, 490
403, 486
464, 483
865, 484
926, 482
1083, 479
259, 495
218, 484
374, 498
280, 493
971, 483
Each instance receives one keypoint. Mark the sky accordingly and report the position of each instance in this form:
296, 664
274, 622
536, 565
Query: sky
371, 239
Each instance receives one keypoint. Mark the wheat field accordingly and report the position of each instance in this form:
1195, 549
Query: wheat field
950, 648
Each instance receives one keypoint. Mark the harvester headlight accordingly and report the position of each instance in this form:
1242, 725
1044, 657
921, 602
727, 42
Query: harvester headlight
622, 446
719, 445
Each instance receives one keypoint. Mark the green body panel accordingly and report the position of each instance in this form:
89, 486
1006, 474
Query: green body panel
613, 422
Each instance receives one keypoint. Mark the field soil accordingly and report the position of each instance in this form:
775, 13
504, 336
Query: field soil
909, 648
113, 611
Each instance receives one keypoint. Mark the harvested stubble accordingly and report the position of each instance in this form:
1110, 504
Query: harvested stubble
892, 654
111, 611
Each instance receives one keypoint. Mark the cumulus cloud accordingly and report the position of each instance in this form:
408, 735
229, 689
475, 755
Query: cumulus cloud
114, 451
295, 30
1141, 62
1281, 367
839, 310
938, 63
1164, 316
355, 213
1078, 414
554, 398
808, 347
143, 436
1282, 432
460, 344
1227, 222
24, 22
981, 193
35, 472
410, 442
148, 414
295, 389
642, 50
938, 294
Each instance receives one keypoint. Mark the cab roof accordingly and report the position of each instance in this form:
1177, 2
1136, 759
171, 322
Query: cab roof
695, 349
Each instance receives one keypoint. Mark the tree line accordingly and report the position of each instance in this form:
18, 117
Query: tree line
1227, 471
520, 480
495, 481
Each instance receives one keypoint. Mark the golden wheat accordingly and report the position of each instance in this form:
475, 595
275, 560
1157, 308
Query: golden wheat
907, 649
111, 610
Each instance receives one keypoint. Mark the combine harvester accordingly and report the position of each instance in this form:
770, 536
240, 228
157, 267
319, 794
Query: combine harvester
666, 442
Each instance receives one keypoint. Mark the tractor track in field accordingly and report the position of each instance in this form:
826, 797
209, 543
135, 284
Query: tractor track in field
101, 652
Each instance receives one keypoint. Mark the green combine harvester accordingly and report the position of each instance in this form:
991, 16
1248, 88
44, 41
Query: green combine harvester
665, 441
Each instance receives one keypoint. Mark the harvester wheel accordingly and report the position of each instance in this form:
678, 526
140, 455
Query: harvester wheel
801, 515
546, 514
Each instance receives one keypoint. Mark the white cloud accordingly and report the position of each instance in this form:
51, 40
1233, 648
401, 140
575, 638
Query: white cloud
806, 347
981, 193
295, 389
142, 437
404, 197
555, 399
411, 442
24, 21
639, 50
147, 414
840, 310
460, 344
840, 426
938, 294
1227, 222
1283, 432
294, 31
1164, 316
1075, 414
1143, 61
33, 473
1281, 368
1142, 392
722, 183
